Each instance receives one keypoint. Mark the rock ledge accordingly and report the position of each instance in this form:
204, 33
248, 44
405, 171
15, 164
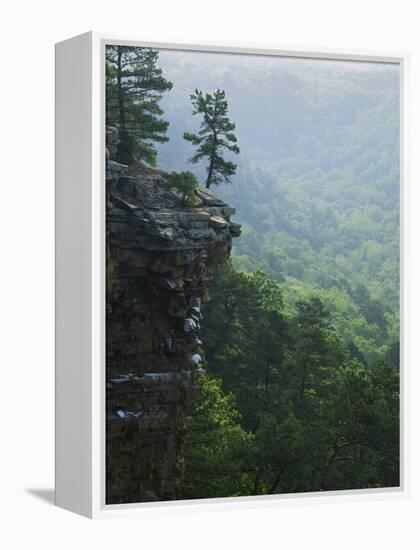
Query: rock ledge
160, 257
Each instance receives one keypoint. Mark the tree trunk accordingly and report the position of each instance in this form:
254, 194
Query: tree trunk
276, 481
210, 173
256, 488
211, 165
121, 109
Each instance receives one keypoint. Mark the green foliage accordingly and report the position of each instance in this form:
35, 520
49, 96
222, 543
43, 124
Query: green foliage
215, 135
314, 241
134, 86
317, 184
302, 328
217, 449
286, 406
186, 184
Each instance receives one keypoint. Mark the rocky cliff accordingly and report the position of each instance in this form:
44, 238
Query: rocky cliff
160, 257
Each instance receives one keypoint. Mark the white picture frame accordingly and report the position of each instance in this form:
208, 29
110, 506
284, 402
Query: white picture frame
80, 275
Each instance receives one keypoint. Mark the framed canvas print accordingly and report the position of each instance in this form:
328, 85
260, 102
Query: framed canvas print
229, 291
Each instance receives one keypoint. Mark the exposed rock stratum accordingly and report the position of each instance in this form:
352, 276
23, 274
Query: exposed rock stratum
160, 257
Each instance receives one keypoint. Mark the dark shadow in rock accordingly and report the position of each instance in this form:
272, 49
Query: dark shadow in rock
47, 495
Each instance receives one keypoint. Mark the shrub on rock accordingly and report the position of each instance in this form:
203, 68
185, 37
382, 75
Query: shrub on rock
185, 184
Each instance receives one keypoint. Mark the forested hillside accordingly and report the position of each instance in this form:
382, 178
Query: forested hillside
317, 188
298, 352
285, 407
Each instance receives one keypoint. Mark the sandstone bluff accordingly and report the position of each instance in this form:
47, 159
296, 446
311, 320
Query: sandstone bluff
160, 257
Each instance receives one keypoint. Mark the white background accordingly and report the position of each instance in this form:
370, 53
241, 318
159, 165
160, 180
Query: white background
28, 32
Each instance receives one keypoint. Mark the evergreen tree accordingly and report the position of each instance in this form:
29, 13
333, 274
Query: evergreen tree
134, 86
312, 331
292, 409
215, 135
217, 449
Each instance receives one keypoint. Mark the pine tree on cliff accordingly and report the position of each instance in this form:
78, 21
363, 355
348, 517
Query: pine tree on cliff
134, 86
214, 137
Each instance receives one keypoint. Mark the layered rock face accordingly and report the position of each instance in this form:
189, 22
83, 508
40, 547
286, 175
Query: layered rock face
160, 257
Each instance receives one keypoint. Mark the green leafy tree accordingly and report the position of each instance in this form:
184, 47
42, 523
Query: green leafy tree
217, 448
245, 336
317, 417
312, 331
185, 183
361, 429
214, 137
134, 87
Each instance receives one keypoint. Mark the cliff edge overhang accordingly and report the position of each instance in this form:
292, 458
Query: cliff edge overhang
161, 255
